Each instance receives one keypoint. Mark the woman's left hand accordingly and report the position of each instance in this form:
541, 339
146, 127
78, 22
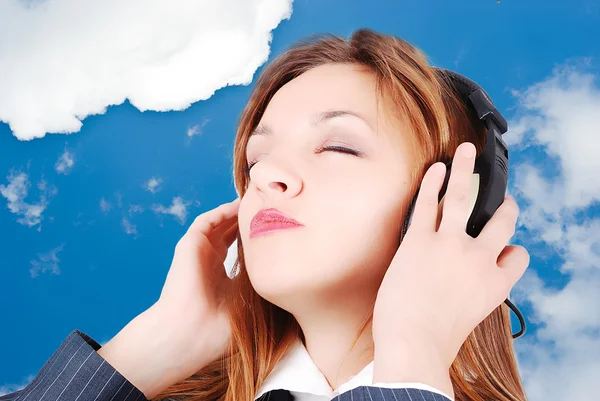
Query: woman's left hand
442, 283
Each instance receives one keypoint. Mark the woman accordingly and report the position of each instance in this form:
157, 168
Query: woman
337, 135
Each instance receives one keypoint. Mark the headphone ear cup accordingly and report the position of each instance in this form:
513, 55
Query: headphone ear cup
409, 215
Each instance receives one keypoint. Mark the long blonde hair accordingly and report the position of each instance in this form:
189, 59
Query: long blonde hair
413, 91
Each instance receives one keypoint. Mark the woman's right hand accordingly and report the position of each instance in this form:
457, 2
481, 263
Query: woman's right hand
188, 327
193, 296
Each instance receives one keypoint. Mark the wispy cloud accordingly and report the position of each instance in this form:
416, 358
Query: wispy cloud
153, 184
197, 129
119, 200
461, 55
11, 388
135, 209
46, 262
105, 205
178, 209
128, 227
79, 222
65, 163
557, 193
17, 190
59, 72
126, 222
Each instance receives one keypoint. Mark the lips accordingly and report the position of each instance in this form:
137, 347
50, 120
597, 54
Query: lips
270, 220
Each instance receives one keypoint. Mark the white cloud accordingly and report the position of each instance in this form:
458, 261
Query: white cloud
105, 206
119, 200
15, 193
197, 129
128, 227
65, 163
152, 184
178, 209
193, 130
561, 115
557, 193
135, 209
46, 262
73, 58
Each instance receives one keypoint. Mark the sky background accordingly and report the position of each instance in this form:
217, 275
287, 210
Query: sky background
117, 121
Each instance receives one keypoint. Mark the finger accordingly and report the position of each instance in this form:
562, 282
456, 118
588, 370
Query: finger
426, 206
458, 195
214, 236
222, 242
498, 231
207, 222
512, 263
219, 232
231, 234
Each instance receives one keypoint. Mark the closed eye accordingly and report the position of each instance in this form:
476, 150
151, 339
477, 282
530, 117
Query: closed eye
341, 149
335, 148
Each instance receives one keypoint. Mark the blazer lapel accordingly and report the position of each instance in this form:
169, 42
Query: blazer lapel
277, 395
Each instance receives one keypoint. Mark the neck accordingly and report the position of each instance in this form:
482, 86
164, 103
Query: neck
329, 336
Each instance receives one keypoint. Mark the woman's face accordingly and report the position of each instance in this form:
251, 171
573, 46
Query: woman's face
351, 206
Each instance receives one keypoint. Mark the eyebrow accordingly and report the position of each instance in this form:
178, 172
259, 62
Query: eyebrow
318, 119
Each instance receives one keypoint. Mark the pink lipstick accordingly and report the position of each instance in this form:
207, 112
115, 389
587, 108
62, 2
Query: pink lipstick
267, 220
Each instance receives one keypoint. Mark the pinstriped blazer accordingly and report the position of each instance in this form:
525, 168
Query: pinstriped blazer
76, 372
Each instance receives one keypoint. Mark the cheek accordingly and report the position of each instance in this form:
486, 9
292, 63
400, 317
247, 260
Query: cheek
363, 230
372, 220
366, 207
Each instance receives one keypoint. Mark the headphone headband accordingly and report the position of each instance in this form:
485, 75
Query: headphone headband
475, 97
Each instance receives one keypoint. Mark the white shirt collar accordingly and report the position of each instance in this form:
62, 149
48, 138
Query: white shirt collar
297, 373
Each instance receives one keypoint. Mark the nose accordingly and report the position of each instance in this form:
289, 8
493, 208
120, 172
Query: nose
275, 178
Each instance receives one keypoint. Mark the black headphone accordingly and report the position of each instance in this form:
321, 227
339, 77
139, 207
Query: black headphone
490, 174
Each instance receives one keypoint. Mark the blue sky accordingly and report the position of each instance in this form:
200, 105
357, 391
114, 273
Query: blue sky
89, 220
